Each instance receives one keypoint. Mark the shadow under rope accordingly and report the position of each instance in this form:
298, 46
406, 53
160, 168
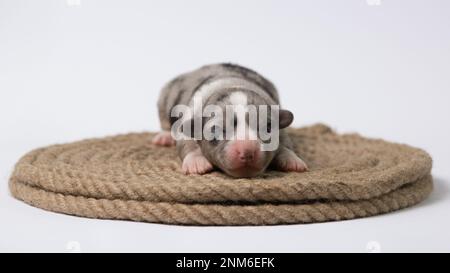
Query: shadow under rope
441, 191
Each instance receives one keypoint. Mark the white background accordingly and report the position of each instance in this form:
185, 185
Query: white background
70, 71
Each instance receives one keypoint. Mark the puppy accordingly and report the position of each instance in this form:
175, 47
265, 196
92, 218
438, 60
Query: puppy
243, 152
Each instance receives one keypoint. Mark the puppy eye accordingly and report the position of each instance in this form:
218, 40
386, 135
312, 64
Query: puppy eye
216, 131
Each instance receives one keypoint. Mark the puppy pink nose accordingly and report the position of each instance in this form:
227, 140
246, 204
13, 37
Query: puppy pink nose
246, 155
245, 151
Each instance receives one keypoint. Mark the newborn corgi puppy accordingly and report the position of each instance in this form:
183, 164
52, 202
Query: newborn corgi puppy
226, 116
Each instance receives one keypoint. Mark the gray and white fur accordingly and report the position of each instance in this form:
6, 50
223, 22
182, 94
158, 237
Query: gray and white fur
222, 85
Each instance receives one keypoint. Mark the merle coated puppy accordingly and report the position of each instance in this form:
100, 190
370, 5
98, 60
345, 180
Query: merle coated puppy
223, 85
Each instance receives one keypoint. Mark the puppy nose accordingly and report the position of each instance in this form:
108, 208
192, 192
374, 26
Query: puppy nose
246, 155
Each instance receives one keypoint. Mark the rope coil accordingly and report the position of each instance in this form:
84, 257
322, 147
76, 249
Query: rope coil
126, 177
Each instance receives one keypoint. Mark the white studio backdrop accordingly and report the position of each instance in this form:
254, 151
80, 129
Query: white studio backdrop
74, 69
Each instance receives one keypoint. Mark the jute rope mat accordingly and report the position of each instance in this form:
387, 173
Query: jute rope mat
126, 177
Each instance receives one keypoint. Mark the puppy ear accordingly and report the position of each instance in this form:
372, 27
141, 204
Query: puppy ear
286, 117
188, 129
182, 128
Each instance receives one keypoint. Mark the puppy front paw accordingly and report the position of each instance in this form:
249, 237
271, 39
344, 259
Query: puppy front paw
195, 163
163, 139
288, 161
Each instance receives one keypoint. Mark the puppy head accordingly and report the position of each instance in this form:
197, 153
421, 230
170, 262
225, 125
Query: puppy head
235, 132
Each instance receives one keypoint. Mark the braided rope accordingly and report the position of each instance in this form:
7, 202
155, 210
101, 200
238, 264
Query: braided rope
216, 214
125, 177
